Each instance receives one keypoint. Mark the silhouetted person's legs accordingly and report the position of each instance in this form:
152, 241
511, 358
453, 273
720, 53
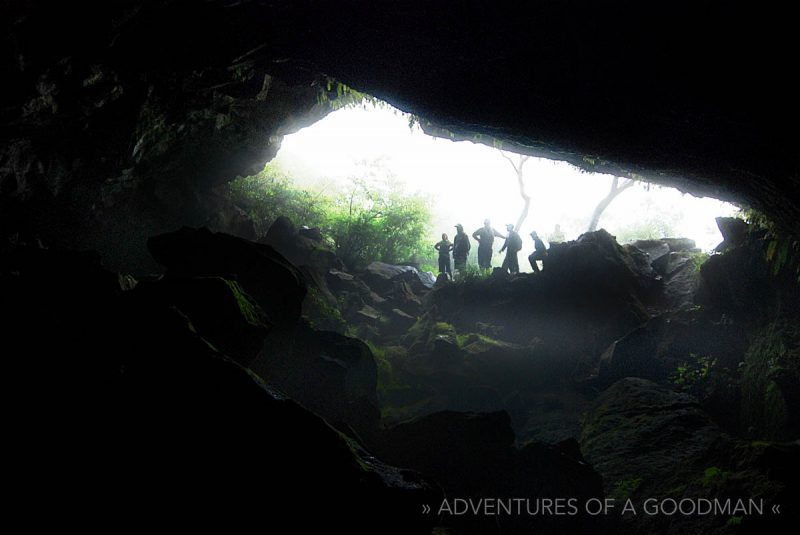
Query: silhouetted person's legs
532, 259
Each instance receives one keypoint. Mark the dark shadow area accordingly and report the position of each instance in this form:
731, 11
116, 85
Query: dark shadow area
212, 377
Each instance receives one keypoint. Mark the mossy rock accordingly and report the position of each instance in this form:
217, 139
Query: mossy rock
771, 383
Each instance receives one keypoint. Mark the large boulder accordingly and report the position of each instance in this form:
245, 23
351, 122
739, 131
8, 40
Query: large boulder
162, 428
597, 262
276, 285
742, 284
648, 441
329, 373
473, 456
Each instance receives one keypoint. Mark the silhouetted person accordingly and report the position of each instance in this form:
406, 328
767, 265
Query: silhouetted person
512, 246
461, 247
485, 236
556, 236
444, 247
539, 253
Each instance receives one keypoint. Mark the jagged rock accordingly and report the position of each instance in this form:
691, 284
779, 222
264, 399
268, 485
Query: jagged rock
740, 284
681, 284
642, 261
655, 350
473, 455
333, 375
380, 277
668, 264
734, 232
369, 313
340, 282
302, 247
405, 298
648, 441
277, 286
399, 322
313, 234
597, 262
220, 311
654, 248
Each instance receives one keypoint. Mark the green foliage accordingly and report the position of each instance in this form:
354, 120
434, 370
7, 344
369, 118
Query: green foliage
373, 219
624, 489
713, 476
652, 227
337, 96
270, 194
782, 250
249, 310
698, 259
692, 376
471, 275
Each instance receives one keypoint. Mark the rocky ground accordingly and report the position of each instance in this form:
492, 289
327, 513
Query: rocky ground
618, 372
644, 353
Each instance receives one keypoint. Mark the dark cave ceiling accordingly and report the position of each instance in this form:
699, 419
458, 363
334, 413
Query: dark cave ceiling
694, 94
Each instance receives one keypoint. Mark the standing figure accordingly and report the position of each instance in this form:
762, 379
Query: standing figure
557, 236
485, 236
461, 247
512, 246
444, 247
539, 253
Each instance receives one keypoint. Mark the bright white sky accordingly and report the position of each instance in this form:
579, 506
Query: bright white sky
470, 182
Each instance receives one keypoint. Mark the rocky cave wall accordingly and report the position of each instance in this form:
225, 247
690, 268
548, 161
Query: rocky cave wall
122, 119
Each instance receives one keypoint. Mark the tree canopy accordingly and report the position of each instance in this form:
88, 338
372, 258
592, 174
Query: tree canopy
372, 218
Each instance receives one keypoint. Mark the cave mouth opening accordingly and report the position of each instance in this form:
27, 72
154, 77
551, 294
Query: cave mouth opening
374, 154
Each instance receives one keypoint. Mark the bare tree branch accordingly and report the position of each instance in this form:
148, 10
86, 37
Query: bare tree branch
615, 190
518, 169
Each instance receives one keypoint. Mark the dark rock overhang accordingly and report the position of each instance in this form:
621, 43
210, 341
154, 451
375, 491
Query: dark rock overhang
682, 94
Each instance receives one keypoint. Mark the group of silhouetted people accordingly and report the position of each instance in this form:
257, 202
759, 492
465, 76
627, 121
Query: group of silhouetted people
485, 236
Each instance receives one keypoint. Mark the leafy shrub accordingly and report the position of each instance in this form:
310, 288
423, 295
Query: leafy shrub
693, 374
372, 219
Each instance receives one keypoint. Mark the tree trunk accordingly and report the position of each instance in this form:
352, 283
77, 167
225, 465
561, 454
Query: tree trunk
616, 189
522, 193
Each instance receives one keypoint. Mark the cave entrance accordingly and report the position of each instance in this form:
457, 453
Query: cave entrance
372, 153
